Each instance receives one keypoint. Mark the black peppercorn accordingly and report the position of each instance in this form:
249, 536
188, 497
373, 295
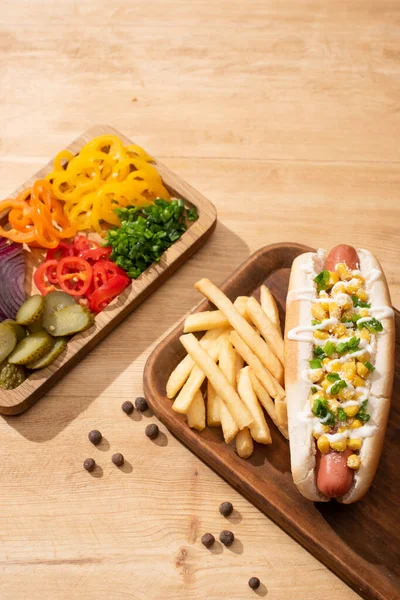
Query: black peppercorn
118, 459
89, 464
141, 404
208, 540
254, 583
226, 537
226, 508
152, 431
127, 407
95, 437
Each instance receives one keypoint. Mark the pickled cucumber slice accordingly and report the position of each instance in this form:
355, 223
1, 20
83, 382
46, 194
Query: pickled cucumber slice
31, 310
47, 359
31, 348
19, 330
8, 340
69, 320
53, 302
11, 376
35, 327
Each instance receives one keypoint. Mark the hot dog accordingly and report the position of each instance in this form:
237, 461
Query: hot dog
339, 366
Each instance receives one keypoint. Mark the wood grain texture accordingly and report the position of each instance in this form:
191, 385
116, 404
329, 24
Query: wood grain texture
285, 114
13, 402
350, 540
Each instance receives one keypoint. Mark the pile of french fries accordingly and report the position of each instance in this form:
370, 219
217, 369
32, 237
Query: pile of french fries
241, 355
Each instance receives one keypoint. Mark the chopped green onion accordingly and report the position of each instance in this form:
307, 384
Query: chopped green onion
332, 377
322, 280
353, 319
369, 366
314, 389
342, 347
315, 363
338, 386
329, 348
318, 352
341, 414
362, 414
316, 322
354, 344
320, 409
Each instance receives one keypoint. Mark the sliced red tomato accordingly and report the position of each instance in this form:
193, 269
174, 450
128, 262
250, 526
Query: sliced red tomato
42, 279
74, 275
108, 291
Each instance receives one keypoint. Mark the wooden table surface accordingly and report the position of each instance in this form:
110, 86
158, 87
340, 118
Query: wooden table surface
286, 115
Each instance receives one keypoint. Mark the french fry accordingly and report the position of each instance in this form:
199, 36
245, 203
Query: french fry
213, 319
268, 381
196, 415
282, 416
259, 428
227, 364
195, 381
266, 401
182, 371
239, 364
266, 327
246, 332
241, 306
244, 443
269, 306
218, 380
213, 407
208, 319
179, 376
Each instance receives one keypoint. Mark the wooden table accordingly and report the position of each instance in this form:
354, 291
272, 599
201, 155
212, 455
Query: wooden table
285, 113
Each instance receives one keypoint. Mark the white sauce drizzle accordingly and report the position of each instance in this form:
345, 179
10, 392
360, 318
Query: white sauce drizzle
362, 432
296, 334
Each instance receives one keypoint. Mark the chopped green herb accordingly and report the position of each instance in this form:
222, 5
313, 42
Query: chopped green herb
314, 389
329, 348
338, 386
316, 322
362, 414
322, 280
332, 377
318, 352
369, 366
315, 363
358, 302
145, 233
341, 414
373, 325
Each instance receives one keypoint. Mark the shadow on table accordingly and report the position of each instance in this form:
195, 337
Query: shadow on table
51, 414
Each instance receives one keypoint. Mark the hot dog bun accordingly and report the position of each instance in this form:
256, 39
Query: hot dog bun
297, 356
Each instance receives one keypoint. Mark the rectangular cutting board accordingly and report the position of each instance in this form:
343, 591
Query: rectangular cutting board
359, 542
16, 401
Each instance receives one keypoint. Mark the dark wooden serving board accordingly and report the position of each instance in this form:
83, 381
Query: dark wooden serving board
358, 542
16, 401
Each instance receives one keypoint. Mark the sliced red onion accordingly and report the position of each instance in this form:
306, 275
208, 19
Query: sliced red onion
12, 278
